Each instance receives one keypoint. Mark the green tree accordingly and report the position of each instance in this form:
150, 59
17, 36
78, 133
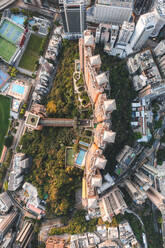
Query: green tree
8, 141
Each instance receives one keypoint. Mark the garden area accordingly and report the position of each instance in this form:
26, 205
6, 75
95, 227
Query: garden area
123, 92
49, 173
31, 55
4, 118
65, 101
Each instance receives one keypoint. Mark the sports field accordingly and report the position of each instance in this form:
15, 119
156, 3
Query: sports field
7, 49
4, 118
32, 53
10, 35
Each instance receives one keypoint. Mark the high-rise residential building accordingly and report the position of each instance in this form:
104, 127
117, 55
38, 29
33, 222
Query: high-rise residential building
113, 11
73, 14
159, 50
143, 30
159, 11
126, 33
104, 107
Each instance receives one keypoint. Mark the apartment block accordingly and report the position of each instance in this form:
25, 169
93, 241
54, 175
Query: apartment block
137, 195
125, 34
159, 11
159, 52
103, 108
19, 167
25, 235
112, 204
6, 222
113, 11
103, 136
5, 203
127, 236
143, 181
143, 30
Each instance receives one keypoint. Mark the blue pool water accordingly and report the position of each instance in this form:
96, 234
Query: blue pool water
32, 22
80, 157
3, 77
19, 19
18, 89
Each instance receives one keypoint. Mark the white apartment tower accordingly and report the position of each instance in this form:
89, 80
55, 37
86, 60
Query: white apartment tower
113, 11
160, 16
143, 30
126, 33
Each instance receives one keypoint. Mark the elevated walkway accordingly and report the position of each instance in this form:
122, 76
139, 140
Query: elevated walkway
57, 122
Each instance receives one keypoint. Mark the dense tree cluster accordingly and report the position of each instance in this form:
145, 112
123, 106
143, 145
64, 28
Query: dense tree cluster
47, 147
62, 93
48, 172
122, 91
78, 224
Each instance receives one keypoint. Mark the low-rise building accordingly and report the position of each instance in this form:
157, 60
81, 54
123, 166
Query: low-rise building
25, 235
32, 200
137, 195
142, 117
143, 181
86, 240
6, 222
112, 204
127, 236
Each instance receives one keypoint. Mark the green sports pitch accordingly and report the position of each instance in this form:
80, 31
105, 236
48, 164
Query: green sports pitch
4, 118
10, 35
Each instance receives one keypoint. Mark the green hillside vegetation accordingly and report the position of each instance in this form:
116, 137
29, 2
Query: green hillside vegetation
47, 147
122, 91
62, 93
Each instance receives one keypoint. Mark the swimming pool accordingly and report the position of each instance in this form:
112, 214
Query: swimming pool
19, 19
32, 22
18, 89
80, 157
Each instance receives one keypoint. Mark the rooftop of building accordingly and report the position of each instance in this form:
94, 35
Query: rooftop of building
118, 3
160, 7
32, 120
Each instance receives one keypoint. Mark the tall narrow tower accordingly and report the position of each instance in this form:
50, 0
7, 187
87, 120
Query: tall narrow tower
144, 28
73, 14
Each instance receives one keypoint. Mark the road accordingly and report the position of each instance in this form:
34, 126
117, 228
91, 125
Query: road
141, 222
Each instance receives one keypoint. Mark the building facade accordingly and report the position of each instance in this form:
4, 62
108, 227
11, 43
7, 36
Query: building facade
74, 17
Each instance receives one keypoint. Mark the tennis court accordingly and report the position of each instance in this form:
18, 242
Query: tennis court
11, 32
3, 77
10, 35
